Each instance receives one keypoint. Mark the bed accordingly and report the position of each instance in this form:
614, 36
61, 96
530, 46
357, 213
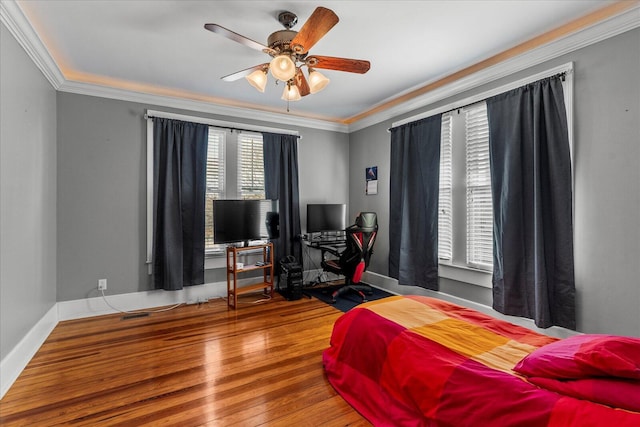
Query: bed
419, 361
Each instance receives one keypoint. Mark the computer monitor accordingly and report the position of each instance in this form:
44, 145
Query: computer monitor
326, 217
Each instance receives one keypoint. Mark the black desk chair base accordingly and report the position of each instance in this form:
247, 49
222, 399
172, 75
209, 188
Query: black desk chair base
361, 289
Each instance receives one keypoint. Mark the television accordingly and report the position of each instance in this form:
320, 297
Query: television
245, 220
326, 217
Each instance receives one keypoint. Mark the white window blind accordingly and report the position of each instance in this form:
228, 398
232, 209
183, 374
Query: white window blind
479, 203
215, 179
445, 230
215, 162
250, 167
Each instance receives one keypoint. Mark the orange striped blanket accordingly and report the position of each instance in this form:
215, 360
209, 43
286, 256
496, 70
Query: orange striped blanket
418, 361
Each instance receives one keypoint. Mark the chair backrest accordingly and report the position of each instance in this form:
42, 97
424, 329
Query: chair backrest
361, 237
367, 220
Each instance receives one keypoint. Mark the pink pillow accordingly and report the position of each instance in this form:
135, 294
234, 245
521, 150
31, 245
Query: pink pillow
615, 392
584, 356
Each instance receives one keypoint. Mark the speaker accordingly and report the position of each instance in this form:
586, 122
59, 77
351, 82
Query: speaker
272, 223
290, 284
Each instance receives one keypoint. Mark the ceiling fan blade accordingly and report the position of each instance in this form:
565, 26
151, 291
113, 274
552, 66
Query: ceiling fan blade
339, 64
318, 24
237, 37
244, 73
301, 82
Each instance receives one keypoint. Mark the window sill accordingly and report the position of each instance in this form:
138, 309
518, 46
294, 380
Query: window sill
462, 273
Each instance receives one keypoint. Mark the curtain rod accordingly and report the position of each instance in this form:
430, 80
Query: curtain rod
212, 123
146, 117
561, 75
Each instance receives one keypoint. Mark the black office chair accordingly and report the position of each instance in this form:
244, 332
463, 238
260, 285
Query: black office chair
354, 260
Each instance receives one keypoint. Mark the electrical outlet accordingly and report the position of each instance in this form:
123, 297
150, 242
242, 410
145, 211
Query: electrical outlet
102, 284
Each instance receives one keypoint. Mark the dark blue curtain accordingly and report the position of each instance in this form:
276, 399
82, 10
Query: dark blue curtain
413, 202
179, 185
281, 183
531, 184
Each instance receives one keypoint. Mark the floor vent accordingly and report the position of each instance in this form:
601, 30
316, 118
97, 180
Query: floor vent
134, 316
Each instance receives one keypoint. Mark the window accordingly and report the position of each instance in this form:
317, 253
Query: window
215, 180
465, 207
251, 167
235, 170
478, 185
465, 216
445, 231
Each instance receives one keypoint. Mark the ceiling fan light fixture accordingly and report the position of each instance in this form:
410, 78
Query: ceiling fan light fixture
282, 68
291, 93
317, 81
258, 79
289, 51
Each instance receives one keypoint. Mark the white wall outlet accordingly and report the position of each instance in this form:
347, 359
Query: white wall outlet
102, 284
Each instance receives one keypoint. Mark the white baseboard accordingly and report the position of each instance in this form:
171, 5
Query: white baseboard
14, 363
135, 301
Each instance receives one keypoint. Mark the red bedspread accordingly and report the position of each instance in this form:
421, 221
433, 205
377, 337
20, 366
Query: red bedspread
418, 361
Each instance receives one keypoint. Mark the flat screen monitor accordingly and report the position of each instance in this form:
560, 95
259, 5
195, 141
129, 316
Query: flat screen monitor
326, 217
244, 220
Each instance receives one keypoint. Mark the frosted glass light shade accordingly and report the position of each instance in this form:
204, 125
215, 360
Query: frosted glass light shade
282, 68
317, 81
291, 93
258, 79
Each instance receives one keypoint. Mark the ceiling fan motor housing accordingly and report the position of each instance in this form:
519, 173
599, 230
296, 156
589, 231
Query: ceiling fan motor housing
281, 40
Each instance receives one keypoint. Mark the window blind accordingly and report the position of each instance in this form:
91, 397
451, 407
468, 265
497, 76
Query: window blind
250, 167
215, 180
215, 162
445, 229
478, 183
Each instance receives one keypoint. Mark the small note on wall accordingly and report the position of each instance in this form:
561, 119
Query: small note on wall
371, 180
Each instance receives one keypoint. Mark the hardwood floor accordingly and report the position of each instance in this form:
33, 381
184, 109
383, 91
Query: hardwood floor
192, 366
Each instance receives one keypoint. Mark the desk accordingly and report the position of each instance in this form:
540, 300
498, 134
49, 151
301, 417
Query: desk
331, 244
325, 240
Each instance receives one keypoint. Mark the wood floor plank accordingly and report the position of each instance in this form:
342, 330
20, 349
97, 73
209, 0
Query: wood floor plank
195, 365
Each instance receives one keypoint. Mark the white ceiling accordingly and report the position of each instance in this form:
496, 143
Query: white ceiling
161, 47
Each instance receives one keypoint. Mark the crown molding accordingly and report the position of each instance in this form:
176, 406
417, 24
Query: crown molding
12, 17
613, 26
199, 106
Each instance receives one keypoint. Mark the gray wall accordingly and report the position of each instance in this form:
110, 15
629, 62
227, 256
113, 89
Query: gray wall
324, 178
102, 190
27, 194
607, 185
607, 178
101, 196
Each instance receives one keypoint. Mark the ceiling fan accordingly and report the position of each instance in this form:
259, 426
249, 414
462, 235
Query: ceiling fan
290, 52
